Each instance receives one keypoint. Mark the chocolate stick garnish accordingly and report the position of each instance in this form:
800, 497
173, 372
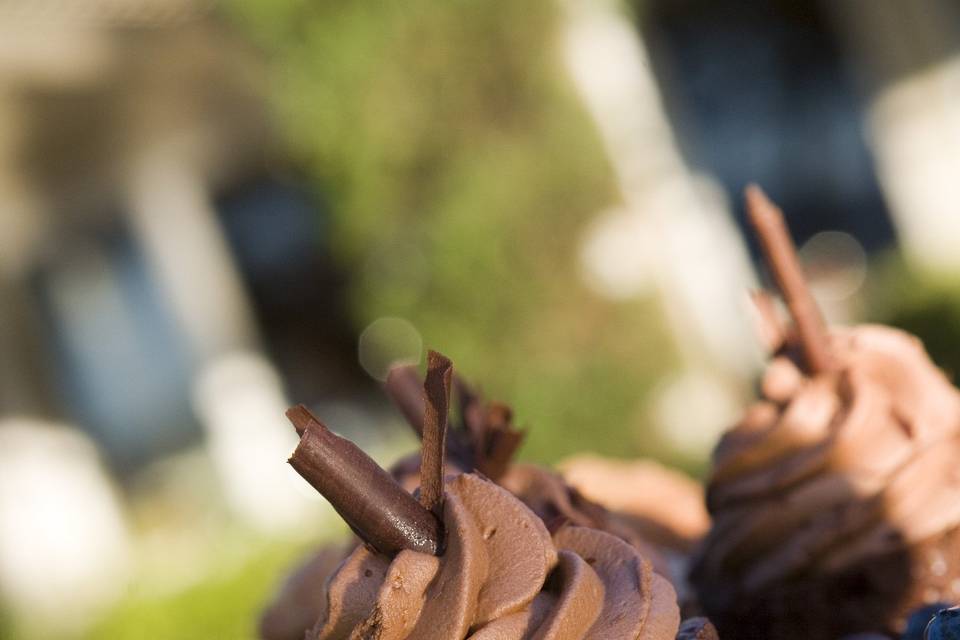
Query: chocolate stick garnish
436, 410
384, 515
781, 257
406, 391
501, 442
404, 388
484, 439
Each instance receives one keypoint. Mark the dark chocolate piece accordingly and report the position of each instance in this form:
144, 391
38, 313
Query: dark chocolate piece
500, 441
781, 256
485, 438
436, 409
377, 509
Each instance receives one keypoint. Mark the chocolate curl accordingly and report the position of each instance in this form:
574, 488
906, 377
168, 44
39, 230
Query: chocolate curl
472, 414
500, 442
436, 410
484, 440
403, 387
489, 429
781, 257
377, 509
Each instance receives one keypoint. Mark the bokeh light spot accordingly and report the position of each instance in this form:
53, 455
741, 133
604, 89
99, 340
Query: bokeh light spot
836, 264
386, 342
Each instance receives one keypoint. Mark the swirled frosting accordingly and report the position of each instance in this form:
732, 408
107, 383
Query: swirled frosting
664, 505
501, 576
556, 502
825, 472
549, 496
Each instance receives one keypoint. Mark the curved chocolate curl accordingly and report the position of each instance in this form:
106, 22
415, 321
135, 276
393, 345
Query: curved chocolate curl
436, 390
384, 515
483, 438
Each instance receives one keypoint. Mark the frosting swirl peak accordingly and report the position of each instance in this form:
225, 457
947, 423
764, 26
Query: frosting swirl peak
502, 576
824, 472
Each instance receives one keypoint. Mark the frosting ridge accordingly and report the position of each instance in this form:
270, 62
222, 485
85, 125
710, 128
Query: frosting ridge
826, 471
502, 575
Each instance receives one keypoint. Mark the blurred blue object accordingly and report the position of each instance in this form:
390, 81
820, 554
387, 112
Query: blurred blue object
760, 92
119, 361
945, 625
919, 619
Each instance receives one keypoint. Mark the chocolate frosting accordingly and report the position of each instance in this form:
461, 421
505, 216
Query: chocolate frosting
502, 576
557, 503
297, 604
303, 597
825, 472
664, 505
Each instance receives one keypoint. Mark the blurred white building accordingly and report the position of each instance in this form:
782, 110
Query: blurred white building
64, 544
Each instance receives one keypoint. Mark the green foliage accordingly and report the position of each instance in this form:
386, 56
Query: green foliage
926, 305
224, 605
461, 172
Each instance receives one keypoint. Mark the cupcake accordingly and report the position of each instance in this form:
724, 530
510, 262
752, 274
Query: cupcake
465, 558
836, 498
483, 439
501, 575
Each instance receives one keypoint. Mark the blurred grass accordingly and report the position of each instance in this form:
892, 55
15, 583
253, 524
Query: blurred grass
924, 304
461, 172
224, 605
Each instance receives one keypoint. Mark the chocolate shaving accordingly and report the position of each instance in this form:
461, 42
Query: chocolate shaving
781, 257
436, 409
405, 390
377, 509
471, 410
484, 438
500, 441
488, 427
300, 417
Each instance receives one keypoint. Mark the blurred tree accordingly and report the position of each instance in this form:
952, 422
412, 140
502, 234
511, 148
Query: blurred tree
461, 172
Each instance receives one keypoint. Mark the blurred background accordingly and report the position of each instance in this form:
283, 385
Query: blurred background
210, 210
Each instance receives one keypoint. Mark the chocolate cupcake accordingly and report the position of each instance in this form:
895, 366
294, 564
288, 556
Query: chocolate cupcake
502, 575
483, 439
466, 558
836, 499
